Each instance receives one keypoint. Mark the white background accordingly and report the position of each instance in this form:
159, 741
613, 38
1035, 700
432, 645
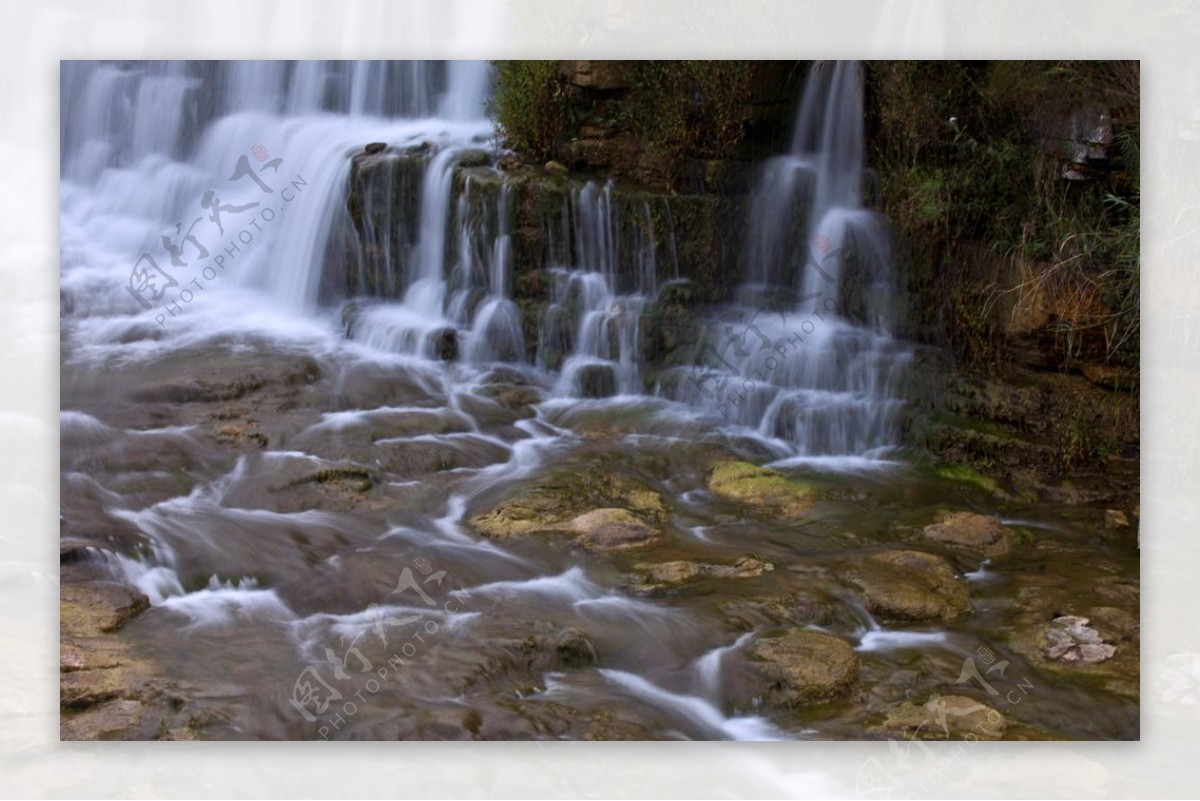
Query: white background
35, 35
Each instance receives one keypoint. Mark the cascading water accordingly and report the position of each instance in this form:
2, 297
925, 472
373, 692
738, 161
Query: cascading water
372, 387
806, 361
604, 292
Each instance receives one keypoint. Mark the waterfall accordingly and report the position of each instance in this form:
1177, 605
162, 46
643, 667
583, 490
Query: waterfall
604, 291
152, 151
185, 179
805, 360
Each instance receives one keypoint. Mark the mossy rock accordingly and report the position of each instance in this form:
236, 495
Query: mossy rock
966, 474
761, 487
981, 533
804, 667
910, 585
551, 506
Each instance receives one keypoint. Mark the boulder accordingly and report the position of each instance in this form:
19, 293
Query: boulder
659, 574
982, 533
761, 487
597, 381
910, 585
611, 530
803, 667
560, 503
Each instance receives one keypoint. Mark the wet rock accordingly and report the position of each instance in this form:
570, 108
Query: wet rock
678, 572
944, 717
1115, 519
805, 667
240, 435
762, 487
910, 585
981, 533
98, 607
474, 158
1068, 639
443, 344
611, 530
107, 721
375, 147
558, 500
597, 381
555, 168
573, 649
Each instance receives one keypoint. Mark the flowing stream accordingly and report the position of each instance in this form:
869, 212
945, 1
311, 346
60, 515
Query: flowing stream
281, 413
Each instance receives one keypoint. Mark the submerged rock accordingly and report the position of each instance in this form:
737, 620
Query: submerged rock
762, 487
910, 585
981, 533
944, 717
681, 571
803, 667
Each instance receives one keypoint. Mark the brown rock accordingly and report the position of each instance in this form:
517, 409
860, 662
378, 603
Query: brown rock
93, 607
611, 529
981, 533
910, 585
681, 571
806, 666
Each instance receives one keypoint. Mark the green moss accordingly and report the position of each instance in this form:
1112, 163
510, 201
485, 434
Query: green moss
961, 472
761, 486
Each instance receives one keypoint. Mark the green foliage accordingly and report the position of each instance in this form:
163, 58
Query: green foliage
958, 148
694, 107
673, 110
530, 106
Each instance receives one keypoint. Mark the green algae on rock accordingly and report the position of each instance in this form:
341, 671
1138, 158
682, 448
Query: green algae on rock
761, 487
551, 506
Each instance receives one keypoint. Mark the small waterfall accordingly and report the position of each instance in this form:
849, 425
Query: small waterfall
594, 319
805, 360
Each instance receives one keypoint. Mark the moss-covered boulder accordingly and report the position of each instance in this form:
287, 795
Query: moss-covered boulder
803, 667
910, 585
982, 533
761, 487
560, 504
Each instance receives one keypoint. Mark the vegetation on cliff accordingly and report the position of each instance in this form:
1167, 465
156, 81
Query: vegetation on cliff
1016, 187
